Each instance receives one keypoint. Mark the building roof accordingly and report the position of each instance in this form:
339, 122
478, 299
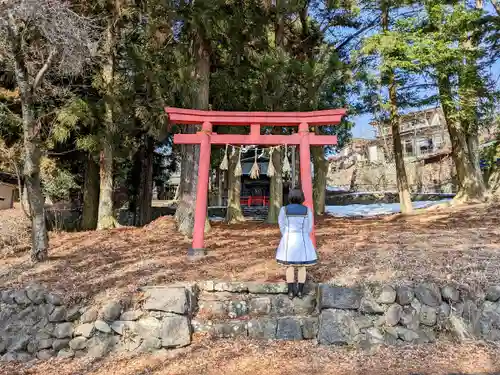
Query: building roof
8, 178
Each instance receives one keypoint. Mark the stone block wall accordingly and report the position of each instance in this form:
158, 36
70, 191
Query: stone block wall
423, 178
34, 323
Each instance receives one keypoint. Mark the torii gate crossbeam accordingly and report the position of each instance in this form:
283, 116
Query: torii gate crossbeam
205, 138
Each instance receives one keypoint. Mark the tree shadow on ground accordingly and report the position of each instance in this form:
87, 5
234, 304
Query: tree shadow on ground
115, 263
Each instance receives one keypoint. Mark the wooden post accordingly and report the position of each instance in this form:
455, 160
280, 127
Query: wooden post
305, 171
202, 192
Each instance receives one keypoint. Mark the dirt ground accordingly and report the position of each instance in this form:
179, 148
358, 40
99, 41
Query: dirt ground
281, 358
454, 245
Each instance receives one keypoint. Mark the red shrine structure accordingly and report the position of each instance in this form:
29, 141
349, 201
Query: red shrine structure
206, 137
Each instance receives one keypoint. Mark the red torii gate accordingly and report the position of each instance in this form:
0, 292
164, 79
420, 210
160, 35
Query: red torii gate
205, 138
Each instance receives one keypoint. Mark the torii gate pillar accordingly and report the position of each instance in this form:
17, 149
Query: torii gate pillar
205, 138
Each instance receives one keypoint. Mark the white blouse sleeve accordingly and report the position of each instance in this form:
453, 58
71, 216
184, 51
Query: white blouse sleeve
310, 219
282, 220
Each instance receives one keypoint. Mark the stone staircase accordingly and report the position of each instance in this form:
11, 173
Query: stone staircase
256, 310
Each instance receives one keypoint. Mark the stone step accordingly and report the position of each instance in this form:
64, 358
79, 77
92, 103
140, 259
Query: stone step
217, 306
263, 328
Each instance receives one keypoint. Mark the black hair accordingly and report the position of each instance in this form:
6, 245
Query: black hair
296, 196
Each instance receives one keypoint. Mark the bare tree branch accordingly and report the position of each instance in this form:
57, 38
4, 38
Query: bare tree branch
43, 70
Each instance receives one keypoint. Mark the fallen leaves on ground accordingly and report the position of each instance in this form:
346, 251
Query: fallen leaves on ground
244, 357
453, 245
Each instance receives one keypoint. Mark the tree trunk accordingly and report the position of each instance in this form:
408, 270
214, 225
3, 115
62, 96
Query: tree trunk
142, 212
220, 175
470, 187
402, 180
32, 143
319, 181
234, 213
90, 195
184, 214
276, 188
105, 217
401, 177
32, 154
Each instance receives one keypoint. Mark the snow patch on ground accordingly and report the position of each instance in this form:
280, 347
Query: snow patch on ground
375, 209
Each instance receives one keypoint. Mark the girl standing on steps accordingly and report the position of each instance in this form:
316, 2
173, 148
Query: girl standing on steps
296, 249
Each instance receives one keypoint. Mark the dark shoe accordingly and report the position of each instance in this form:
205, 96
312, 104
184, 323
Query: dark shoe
291, 290
300, 291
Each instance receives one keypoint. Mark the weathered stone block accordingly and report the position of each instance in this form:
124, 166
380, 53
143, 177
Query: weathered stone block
44, 344
36, 294
393, 315
335, 327
8, 297
175, 332
267, 288
289, 329
86, 330
407, 335
234, 287
370, 306
73, 313
444, 311
78, 343
63, 330
102, 326
58, 315
24, 357
310, 328
208, 286
259, 306
375, 336
149, 326
229, 329
122, 326
89, 316
428, 315
19, 343
409, 318
363, 322
493, 293
9, 357
305, 305
21, 298
66, 354
45, 354
237, 309
428, 294
281, 305
471, 314
131, 315
53, 299
450, 293
59, 344
333, 297
111, 311
387, 295
404, 295
213, 309
150, 344
263, 328
172, 300
99, 346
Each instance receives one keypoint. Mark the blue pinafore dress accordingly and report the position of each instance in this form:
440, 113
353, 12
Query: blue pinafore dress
296, 247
